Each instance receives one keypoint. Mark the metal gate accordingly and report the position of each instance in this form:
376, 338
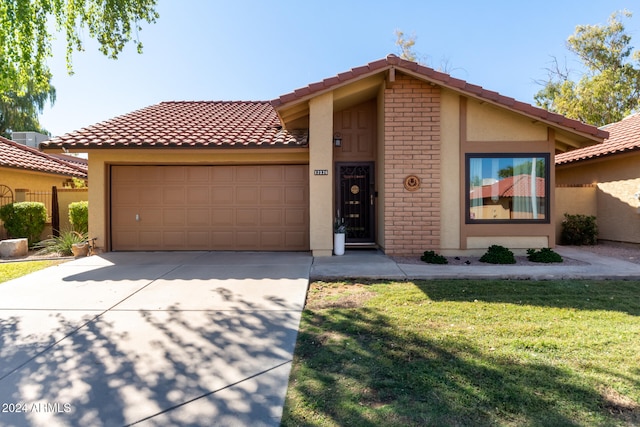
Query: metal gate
6, 197
356, 201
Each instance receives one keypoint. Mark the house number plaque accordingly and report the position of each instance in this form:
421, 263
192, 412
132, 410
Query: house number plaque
321, 172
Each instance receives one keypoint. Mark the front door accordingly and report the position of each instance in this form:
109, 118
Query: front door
355, 198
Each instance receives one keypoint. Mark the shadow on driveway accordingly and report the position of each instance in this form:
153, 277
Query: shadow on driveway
193, 346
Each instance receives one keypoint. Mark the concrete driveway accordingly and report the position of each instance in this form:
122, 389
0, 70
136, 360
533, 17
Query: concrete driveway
194, 338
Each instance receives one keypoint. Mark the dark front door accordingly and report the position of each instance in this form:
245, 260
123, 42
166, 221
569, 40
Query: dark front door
355, 200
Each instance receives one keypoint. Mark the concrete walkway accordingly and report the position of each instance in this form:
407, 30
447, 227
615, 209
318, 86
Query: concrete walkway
162, 339
375, 265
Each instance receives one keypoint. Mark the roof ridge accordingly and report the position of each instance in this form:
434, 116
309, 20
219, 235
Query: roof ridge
211, 102
445, 80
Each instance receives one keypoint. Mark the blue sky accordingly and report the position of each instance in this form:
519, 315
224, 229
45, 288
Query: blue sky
259, 50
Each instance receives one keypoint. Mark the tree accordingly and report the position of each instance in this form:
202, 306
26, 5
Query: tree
25, 40
609, 89
20, 112
406, 46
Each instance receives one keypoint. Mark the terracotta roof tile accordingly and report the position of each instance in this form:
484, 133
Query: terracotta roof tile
20, 156
512, 186
444, 80
188, 124
624, 136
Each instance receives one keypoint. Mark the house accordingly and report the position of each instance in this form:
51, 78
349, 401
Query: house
612, 170
29, 174
392, 147
22, 166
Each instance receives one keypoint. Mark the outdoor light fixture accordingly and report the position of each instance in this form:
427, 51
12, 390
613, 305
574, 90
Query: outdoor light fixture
337, 139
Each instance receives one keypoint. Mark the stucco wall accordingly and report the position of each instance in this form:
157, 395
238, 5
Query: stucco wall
321, 186
32, 181
486, 122
573, 200
67, 196
451, 173
617, 179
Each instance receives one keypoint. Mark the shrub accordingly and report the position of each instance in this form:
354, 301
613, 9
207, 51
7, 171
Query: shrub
579, 230
61, 244
24, 219
79, 216
545, 255
497, 254
433, 258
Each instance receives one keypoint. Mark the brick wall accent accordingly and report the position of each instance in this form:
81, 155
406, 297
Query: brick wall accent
411, 147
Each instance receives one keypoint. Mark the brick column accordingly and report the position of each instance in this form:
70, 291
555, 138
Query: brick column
411, 147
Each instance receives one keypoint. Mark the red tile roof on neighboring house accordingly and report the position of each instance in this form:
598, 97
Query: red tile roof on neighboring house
188, 124
20, 156
445, 80
624, 136
512, 186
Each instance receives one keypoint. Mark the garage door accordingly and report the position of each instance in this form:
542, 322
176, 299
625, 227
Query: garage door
260, 207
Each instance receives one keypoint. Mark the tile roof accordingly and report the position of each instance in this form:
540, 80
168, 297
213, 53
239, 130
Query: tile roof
512, 186
624, 136
442, 79
20, 156
188, 124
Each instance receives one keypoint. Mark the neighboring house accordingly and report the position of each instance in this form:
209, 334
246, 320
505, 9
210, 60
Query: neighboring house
29, 174
393, 147
614, 169
24, 167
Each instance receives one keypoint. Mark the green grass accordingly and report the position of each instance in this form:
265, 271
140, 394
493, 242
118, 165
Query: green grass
462, 353
13, 270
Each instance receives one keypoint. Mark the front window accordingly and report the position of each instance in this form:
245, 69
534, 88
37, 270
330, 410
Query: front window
507, 188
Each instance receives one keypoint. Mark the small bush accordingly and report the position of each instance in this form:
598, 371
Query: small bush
431, 257
61, 244
545, 255
79, 216
579, 230
24, 219
497, 254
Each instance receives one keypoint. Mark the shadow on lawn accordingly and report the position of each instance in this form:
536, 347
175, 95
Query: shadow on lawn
353, 367
579, 294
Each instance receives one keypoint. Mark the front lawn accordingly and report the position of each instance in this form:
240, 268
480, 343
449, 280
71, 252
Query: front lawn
12, 270
468, 353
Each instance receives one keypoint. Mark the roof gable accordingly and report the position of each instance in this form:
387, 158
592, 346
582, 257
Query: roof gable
624, 136
392, 62
20, 156
187, 124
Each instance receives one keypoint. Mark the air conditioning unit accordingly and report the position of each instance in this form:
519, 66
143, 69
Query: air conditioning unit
32, 139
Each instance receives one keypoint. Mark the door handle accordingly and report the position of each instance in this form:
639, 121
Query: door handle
137, 217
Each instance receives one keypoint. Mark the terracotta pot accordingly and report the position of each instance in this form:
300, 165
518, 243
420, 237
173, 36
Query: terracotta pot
80, 249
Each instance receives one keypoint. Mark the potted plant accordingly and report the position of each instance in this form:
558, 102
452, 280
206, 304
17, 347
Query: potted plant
339, 233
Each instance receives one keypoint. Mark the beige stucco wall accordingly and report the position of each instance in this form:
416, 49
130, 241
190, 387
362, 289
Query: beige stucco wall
486, 122
321, 186
617, 179
99, 161
451, 173
67, 196
574, 200
32, 181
